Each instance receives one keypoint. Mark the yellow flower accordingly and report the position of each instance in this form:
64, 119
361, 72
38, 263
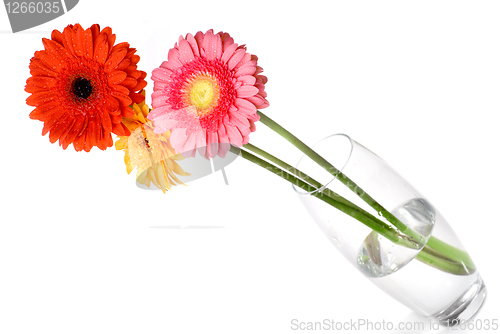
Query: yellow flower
151, 153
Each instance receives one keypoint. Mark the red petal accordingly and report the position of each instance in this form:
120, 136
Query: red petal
135, 59
78, 40
123, 45
130, 83
79, 142
75, 131
57, 37
111, 41
93, 132
49, 59
56, 49
105, 141
116, 77
88, 44
41, 82
136, 97
120, 130
127, 112
107, 31
135, 74
88, 142
59, 128
68, 35
130, 52
120, 89
44, 111
115, 59
52, 120
123, 99
106, 121
124, 64
62, 139
95, 29
131, 68
39, 98
33, 89
101, 48
140, 86
37, 68
111, 104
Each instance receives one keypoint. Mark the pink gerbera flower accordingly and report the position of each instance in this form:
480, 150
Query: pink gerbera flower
207, 94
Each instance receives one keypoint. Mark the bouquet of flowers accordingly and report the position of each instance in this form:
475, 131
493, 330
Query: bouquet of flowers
207, 99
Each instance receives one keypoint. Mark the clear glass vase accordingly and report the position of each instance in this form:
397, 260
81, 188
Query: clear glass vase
428, 282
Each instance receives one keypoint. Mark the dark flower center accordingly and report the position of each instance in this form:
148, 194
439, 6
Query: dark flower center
82, 88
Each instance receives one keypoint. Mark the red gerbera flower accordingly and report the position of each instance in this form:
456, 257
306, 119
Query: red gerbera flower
82, 85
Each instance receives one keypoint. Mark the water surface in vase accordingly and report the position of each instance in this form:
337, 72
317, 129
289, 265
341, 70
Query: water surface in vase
379, 257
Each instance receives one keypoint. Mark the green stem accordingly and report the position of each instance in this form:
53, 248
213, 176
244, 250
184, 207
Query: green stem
438, 253
336, 201
452, 252
429, 257
300, 175
283, 165
341, 177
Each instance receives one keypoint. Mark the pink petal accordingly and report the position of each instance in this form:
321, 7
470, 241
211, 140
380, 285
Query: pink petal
201, 142
241, 123
247, 69
235, 59
222, 134
258, 101
246, 139
223, 149
245, 131
158, 112
199, 40
245, 106
228, 53
246, 59
212, 45
158, 85
162, 123
234, 136
253, 118
186, 54
263, 78
246, 91
226, 40
173, 59
190, 142
261, 88
161, 74
194, 45
224, 145
178, 138
213, 145
247, 79
189, 154
164, 65
252, 125
158, 99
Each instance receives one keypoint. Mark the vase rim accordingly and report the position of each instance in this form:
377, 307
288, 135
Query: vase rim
301, 191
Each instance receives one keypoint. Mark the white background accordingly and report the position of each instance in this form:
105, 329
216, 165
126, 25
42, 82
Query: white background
416, 82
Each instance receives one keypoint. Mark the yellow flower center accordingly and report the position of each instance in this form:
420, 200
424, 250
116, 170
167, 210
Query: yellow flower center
203, 94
